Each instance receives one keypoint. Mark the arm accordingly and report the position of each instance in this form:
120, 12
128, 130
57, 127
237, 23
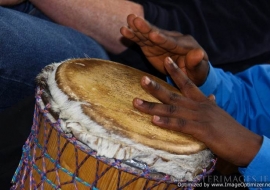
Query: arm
196, 115
259, 168
244, 96
99, 19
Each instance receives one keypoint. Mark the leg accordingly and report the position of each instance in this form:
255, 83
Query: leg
27, 44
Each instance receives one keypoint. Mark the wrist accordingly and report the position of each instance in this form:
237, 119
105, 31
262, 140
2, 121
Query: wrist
211, 81
253, 146
259, 165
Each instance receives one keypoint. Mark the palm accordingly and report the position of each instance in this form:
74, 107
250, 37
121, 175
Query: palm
156, 54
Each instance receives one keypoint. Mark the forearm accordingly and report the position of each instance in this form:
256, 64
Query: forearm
98, 19
258, 171
241, 96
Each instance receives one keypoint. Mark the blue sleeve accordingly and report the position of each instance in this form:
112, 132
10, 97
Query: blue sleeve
246, 96
256, 173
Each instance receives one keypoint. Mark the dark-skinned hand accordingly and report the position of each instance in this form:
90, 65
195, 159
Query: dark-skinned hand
197, 115
157, 44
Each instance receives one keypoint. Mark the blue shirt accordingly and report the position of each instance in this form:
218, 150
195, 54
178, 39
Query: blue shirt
246, 97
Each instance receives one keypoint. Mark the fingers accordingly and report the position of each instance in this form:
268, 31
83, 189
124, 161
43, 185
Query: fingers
127, 33
139, 24
164, 95
178, 124
140, 27
186, 86
132, 33
170, 117
146, 31
165, 42
138, 31
196, 67
150, 34
193, 58
130, 19
164, 110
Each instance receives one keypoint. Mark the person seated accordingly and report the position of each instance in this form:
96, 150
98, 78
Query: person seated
94, 19
229, 113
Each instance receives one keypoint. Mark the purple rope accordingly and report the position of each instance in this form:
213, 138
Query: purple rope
25, 168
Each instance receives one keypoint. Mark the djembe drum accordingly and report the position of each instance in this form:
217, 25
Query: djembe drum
87, 135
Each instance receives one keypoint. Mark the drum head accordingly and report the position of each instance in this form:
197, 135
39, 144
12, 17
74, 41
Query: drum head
109, 88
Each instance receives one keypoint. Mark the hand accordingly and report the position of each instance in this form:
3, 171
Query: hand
10, 2
196, 115
157, 44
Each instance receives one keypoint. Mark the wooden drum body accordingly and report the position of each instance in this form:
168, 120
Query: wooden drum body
86, 135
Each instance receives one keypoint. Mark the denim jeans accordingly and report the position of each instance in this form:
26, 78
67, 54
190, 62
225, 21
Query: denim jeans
28, 44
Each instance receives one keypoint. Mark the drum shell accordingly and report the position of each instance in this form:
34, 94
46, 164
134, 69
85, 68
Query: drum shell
53, 160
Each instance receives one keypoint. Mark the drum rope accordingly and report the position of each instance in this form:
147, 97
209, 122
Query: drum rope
28, 164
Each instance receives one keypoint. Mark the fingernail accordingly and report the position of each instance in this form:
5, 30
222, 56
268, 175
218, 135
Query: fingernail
171, 62
156, 118
147, 80
139, 102
213, 97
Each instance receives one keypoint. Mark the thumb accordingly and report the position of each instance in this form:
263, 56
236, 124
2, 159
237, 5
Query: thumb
194, 58
196, 66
